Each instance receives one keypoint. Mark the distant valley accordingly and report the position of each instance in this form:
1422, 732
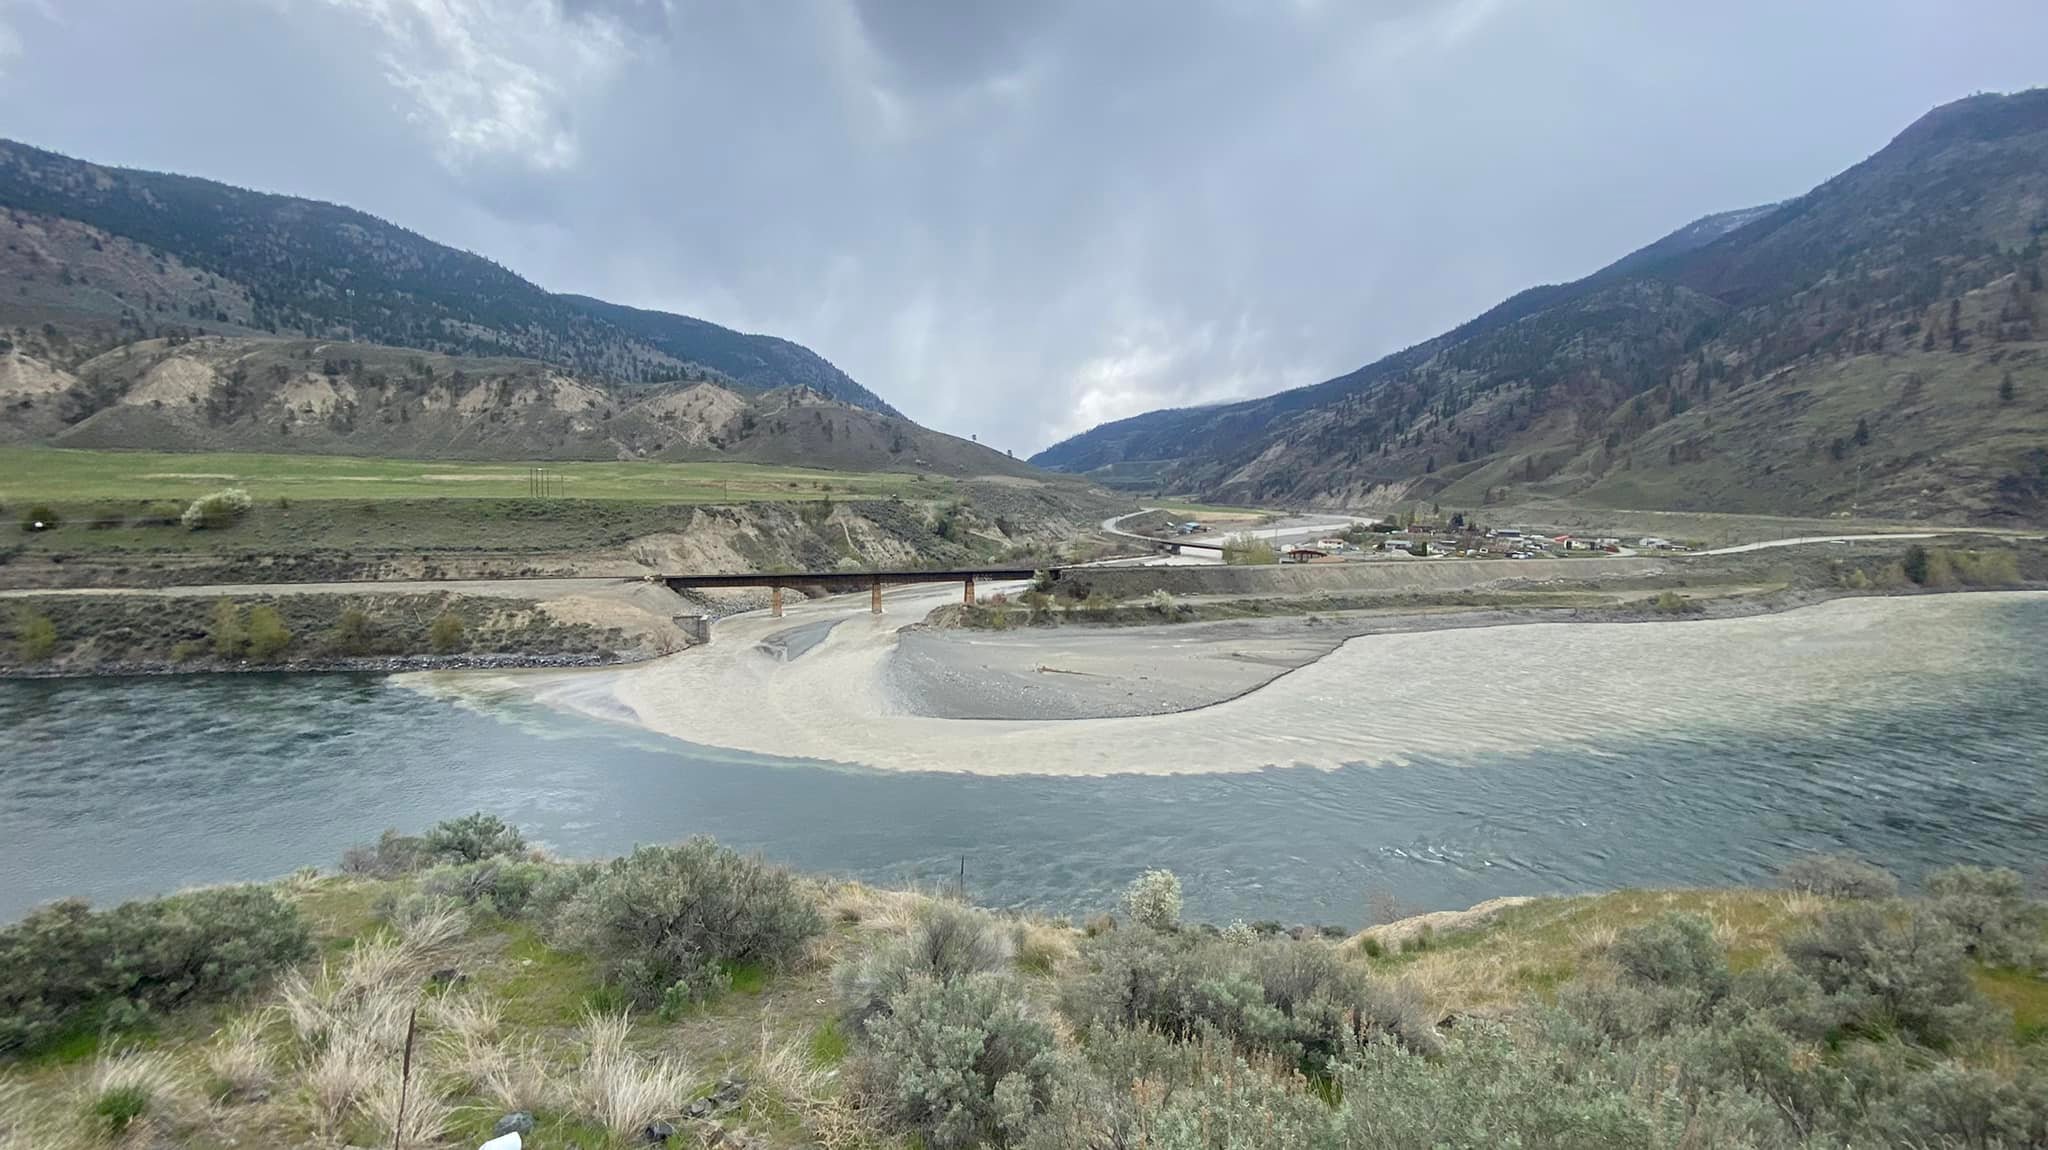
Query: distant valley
1872, 347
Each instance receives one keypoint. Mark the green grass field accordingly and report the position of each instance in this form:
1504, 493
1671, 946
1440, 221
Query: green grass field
61, 477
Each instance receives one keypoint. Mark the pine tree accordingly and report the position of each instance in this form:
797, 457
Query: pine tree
2007, 392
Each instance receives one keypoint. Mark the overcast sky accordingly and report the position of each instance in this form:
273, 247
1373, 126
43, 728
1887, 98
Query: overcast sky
1020, 219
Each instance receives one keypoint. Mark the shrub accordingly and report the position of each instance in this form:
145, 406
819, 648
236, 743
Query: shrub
1672, 603
499, 886
1916, 564
227, 632
216, 511
1677, 950
1153, 899
1247, 550
1163, 603
946, 942
64, 963
1839, 876
41, 517
1485, 1090
1951, 1105
662, 914
353, 634
445, 633
1297, 1000
392, 854
473, 838
962, 1063
35, 637
268, 636
1989, 908
1892, 971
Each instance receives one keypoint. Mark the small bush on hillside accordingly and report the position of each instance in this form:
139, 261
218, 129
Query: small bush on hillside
962, 1063
35, 637
1153, 899
268, 636
445, 633
392, 854
64, 964
1839, 876
663, 914
1952, 1105
1250, 551
353, 634
473, 838
1677, 950
41, 517
216, 511
1672, 603
1989, 908
1146, 1090
946, 942
1917, 564
1299, 1000
495, 886
1893, 971
227, 632
1485, 1090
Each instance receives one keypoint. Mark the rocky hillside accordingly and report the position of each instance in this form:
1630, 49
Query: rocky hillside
1876, 345
96, 257
242, 393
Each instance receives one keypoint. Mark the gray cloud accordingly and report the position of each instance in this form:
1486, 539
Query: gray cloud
1016, 220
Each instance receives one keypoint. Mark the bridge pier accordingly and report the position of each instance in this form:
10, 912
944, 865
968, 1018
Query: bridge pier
969, 597
875, 595
775, 601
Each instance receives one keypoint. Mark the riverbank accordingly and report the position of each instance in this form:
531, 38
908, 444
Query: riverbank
511, 991
339, 628
1513, 685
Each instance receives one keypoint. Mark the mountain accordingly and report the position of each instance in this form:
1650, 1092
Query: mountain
1874, 345
122, 255
243, 393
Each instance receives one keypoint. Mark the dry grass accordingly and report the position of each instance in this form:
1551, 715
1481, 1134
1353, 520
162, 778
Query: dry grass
427, 1115
1042, 946
618, 1088
338, 1076
428, 929
873, 909
1532, 947
242, 1061
472, 1017
152, 1081
517, 1077
31, 1119
786, 1072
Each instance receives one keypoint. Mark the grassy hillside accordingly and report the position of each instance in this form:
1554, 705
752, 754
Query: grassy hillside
119, 519
1875, 346
107, 256
69, 478
691, 993
215, 393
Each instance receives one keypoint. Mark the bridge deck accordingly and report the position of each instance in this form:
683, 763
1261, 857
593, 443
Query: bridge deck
852, 580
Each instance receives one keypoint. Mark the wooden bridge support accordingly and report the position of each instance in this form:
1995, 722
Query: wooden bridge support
875, 596
969, 597
775, 601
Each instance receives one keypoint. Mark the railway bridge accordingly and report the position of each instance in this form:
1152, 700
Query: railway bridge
841, 582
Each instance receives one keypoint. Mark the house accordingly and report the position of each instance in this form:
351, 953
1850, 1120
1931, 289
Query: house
1302, 553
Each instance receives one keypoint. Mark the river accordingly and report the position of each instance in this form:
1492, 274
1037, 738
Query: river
115, 788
